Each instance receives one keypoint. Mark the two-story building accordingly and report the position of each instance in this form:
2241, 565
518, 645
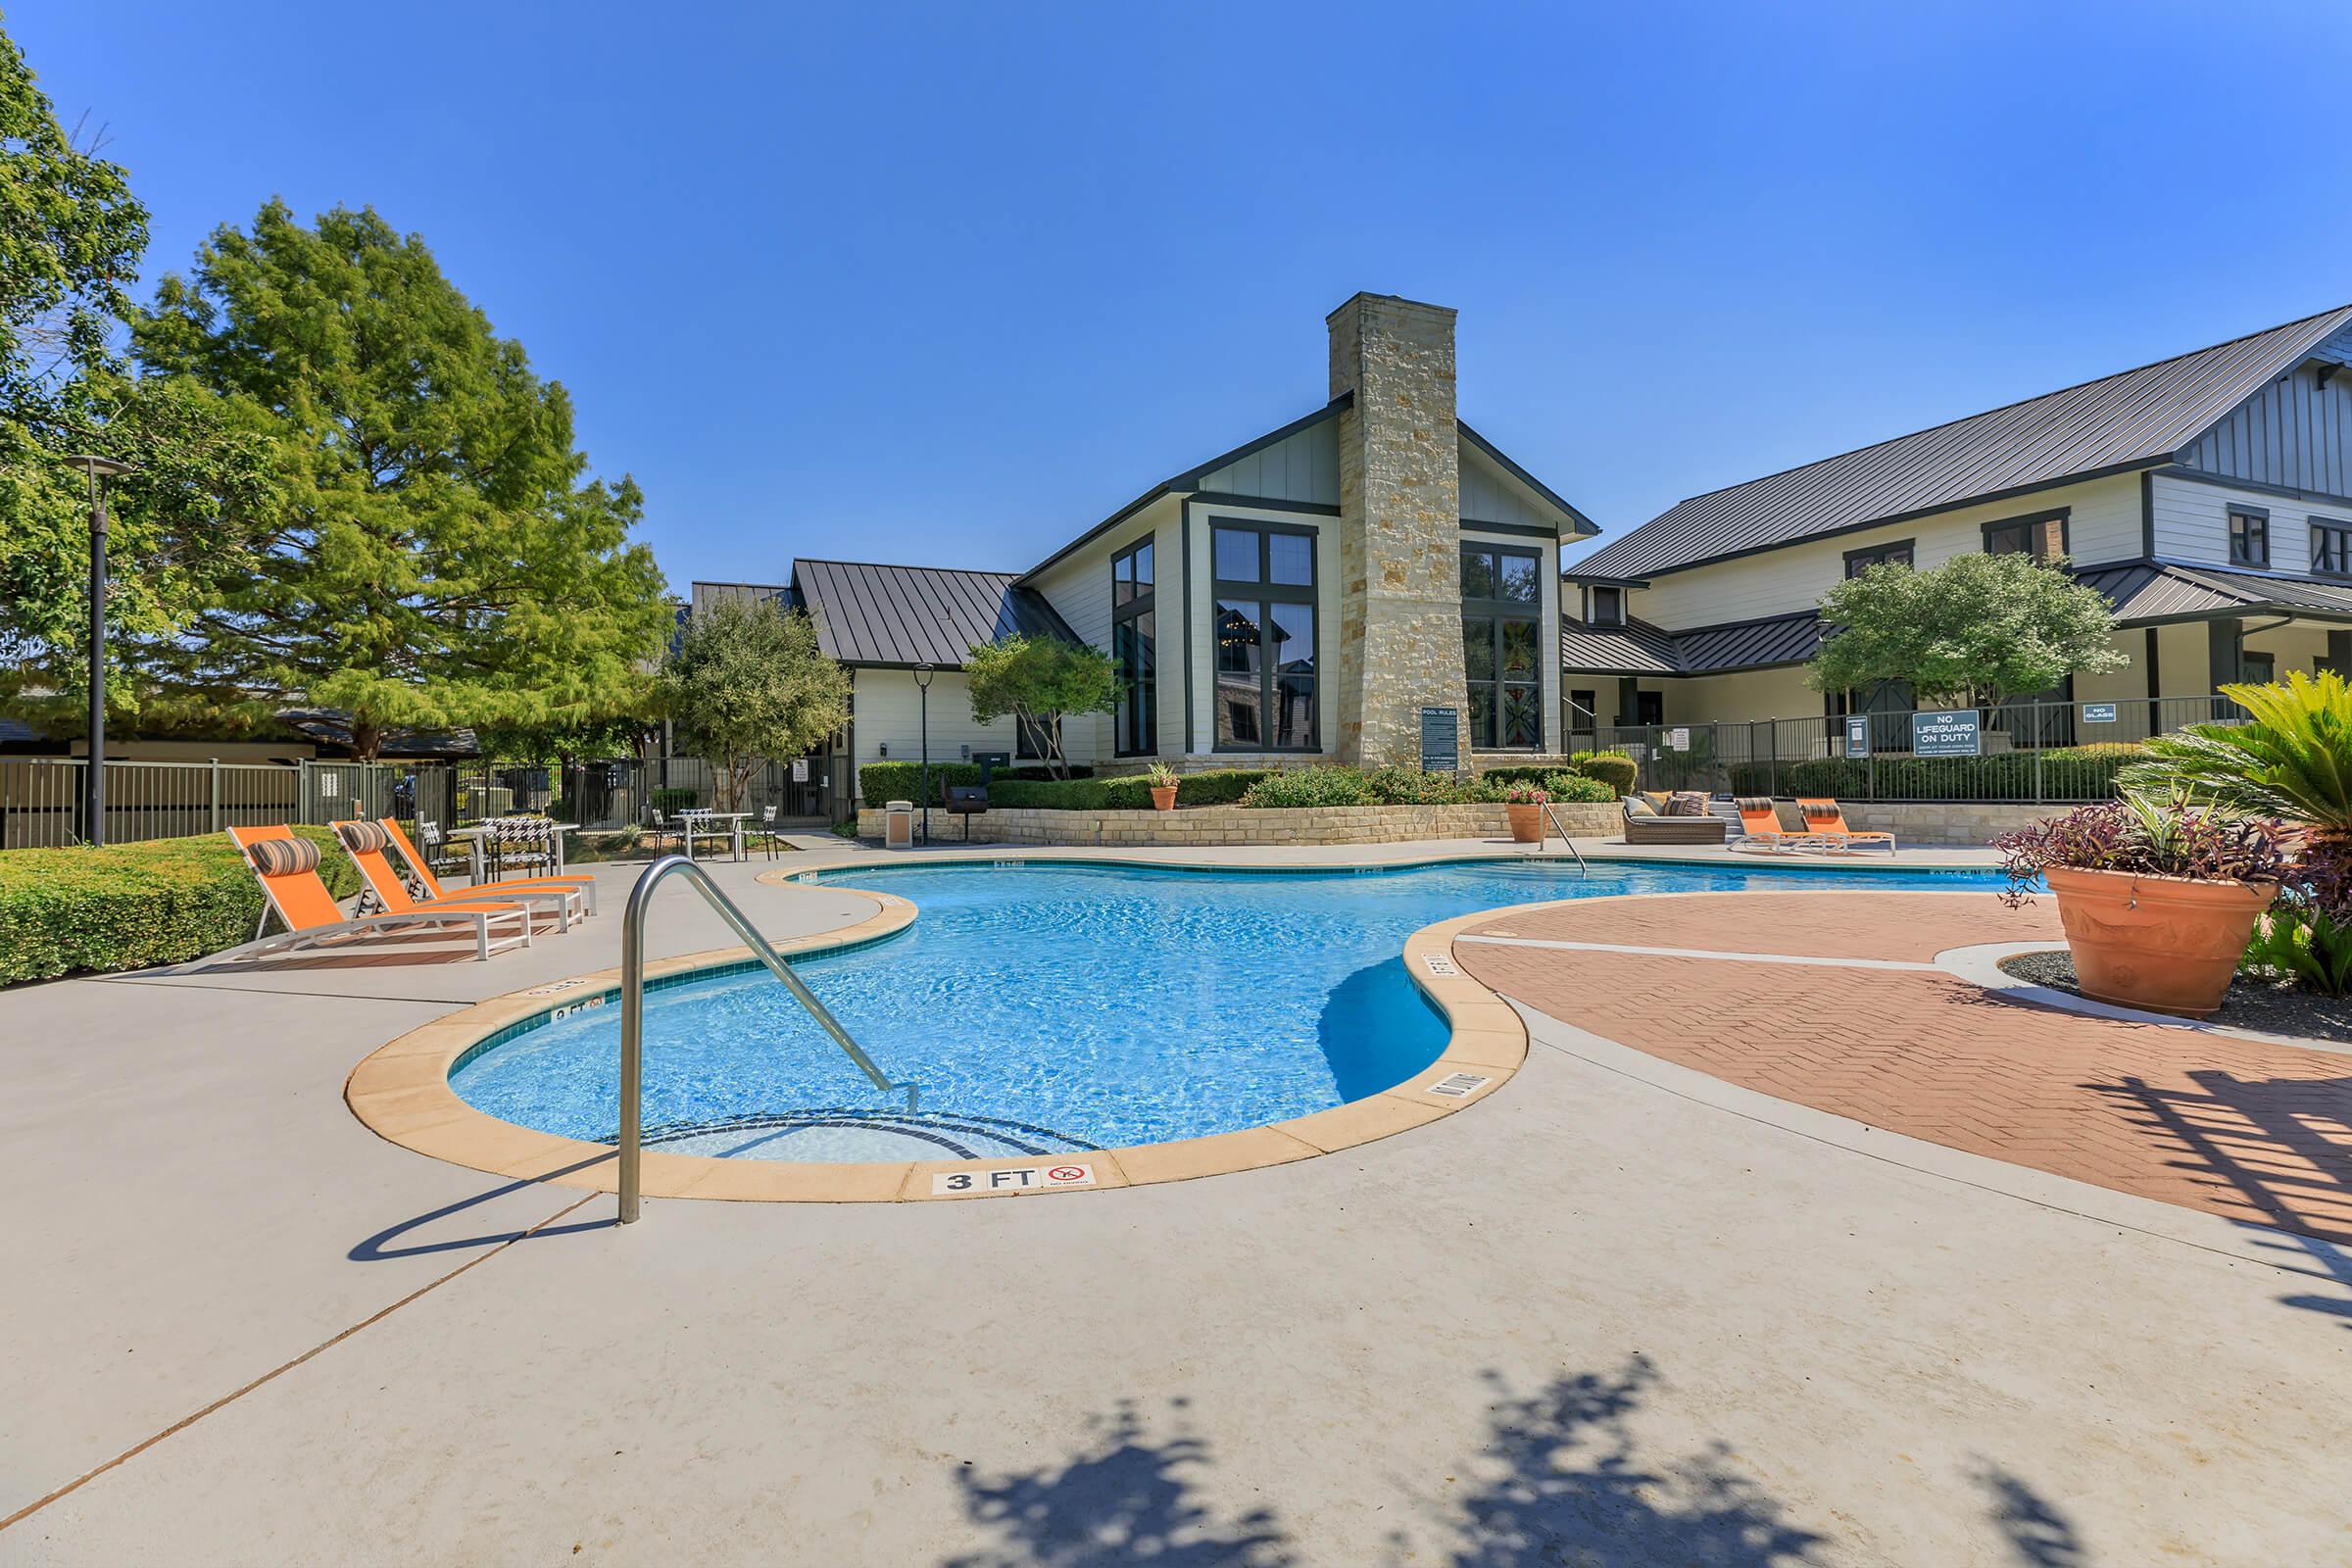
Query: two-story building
1303, 597
2209, 497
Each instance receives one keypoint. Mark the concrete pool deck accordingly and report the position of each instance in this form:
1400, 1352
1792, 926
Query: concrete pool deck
1623, 1307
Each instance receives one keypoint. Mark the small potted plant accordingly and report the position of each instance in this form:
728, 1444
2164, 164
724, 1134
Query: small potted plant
1161, 779
1526, 803
2158, 898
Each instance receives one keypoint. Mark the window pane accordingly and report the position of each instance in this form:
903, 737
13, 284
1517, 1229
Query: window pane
1520, 576
1522, 722
1143, 566
1478, 648
1238, 637
1122, 568
1608, 607
1146, 730
1237, 555
1518, 650
1482, 713
1293, 627
2006, 540
1293, 556
1478, 574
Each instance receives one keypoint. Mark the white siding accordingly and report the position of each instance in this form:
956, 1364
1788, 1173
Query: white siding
1078, 587
2193, 523
1301, 468
1548, 634
1490, 495
2103, 525
889, 712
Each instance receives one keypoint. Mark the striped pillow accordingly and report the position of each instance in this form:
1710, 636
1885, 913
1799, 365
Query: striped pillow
1754, 803
1822, 811
361, 837
283, 857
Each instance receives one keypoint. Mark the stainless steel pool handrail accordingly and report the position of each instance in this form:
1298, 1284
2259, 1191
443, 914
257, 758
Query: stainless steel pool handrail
1550, 817
632, 1007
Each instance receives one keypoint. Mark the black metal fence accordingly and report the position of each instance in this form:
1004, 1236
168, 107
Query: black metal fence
2029, 753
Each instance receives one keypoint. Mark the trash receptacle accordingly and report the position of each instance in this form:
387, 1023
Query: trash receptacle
898, 825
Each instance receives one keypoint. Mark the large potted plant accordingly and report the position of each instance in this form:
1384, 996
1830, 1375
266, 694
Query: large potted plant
1525, 804
1160, 779
2158, 898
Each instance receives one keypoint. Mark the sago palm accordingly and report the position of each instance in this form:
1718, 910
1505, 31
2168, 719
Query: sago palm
2290, 759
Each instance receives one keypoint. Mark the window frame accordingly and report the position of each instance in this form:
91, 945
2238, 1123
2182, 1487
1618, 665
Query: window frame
1265, 592
1862, 560
1495, 613
2063, 516
1592, 611
1141, 692
2342, 529
2260, 519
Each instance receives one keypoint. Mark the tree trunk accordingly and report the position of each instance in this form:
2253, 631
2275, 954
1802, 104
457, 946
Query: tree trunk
366, 739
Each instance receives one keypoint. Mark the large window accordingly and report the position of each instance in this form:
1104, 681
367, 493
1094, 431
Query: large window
1265, 636
1132, 641
2041, 536
1502, 607
2331, 548
2249, 536
1897, 554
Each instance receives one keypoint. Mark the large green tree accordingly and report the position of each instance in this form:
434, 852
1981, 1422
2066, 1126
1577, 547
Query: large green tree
748, 685
71, 239
1975, 631
1038, 681
429, 550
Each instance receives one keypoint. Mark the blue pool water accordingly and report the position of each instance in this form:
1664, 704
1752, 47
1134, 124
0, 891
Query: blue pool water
1056, 1007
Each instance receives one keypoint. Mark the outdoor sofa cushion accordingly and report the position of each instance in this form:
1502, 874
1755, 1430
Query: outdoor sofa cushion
1686, 803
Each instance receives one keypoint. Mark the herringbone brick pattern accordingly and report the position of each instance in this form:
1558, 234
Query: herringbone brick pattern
2253, 1132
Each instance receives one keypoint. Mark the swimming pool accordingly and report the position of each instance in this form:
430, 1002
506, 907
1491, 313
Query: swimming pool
1043, 1009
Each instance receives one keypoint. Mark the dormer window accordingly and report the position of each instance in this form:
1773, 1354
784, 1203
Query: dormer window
1608, 605
2249, 536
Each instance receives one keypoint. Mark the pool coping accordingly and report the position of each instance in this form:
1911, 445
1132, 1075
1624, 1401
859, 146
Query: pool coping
401, 1091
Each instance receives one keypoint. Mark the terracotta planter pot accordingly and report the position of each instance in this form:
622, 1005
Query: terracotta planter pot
2167, 944
1164, 800
1527, 823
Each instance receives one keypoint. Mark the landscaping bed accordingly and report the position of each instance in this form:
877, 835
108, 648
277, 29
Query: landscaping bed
2272, 1006
135, 906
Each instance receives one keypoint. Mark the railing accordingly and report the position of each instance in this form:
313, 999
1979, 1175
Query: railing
1554, 818
2034, 752
44, 801
632, 1008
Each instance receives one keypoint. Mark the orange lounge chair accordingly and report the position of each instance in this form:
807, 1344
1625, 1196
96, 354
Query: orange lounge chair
1825, 820
1761, 832
366, 843
585, 886
287, 868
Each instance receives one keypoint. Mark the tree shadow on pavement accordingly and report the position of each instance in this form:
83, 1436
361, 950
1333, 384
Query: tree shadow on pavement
2038, 1535
1562, 1481
1124, 1499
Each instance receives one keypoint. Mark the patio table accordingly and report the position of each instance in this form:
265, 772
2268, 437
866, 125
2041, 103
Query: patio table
733, 819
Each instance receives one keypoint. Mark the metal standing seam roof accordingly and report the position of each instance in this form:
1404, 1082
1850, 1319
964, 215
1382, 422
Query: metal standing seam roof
2119, 422
2152, 591
905, 616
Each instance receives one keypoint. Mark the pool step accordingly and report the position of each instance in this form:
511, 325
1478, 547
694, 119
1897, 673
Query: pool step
854, 1133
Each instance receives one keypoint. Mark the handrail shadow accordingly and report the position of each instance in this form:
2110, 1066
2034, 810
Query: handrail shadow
377, 1249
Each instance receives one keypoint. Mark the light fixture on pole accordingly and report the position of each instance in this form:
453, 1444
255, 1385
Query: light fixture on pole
922, 684
100, 469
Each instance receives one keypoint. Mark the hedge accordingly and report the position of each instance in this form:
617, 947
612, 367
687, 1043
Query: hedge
879, 783
1399, 786
1129, 792
1613, 768
135, 906
2067, 774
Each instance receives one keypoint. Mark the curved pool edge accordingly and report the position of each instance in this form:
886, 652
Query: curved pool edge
401, 1091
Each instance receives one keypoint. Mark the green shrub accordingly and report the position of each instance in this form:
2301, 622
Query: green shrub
2067, 773
671, 801
1613, 768
1312, 786
879, 783
1579, 788
2299, 941
1405, 786
135, 906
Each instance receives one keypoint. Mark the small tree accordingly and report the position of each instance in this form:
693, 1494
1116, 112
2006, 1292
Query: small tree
1974, 632
1038, 680
747, 685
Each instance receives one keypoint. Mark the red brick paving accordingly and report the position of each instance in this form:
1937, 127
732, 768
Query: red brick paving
2252, 1132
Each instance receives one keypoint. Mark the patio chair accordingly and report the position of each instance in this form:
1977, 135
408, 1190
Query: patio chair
769, 834
522, 844
437, 855
1824, 819
1645, 824
366, 843
1761, 832
661, 827
287, 868
434, 892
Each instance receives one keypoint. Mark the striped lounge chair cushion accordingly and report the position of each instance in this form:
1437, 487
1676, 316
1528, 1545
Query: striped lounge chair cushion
283, 857
361, 837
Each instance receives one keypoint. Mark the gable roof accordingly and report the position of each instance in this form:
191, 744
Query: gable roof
2115, 423
901, 616
1190, 479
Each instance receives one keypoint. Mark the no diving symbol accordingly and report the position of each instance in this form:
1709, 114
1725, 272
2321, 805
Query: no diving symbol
1068, 1173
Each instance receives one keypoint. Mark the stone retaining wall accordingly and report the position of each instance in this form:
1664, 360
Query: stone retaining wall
1947, 824
1239, 824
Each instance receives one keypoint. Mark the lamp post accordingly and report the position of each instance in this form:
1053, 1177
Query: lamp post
100, 469
922, 685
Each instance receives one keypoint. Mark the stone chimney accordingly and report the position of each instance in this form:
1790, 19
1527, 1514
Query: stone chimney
1401, 564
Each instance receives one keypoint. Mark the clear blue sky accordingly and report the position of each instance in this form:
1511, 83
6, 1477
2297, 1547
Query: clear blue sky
950, 283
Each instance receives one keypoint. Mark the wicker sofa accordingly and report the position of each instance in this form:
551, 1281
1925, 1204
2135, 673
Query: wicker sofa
1645, 823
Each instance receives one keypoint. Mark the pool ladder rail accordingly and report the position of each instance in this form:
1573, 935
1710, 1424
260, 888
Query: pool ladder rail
1553, 817
632, 1008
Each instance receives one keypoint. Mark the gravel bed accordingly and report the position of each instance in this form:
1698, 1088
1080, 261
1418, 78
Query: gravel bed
2264, 1005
